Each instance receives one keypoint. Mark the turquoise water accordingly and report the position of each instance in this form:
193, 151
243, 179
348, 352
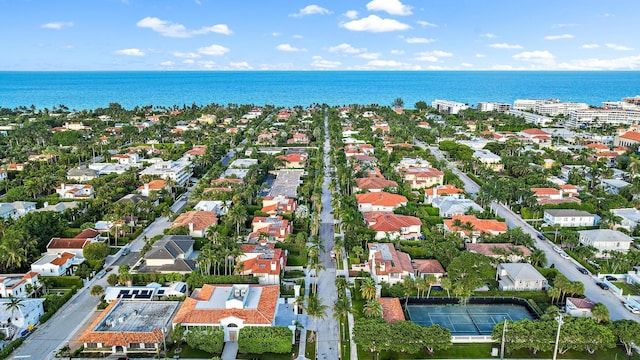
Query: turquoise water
89, 90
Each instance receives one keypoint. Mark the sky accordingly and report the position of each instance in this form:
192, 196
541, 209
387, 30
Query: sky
43, 35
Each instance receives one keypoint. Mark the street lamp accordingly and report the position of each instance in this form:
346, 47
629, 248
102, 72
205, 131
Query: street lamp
555, 349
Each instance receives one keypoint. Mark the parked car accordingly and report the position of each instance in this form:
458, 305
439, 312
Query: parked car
101, 274
611, 278
557, 249
633, 309
565, 256
583, 270
602, 285
541, 237
125, 251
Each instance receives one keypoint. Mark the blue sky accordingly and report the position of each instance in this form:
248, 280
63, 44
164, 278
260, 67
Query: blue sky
319, 35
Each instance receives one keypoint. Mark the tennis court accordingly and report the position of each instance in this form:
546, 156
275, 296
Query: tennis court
467, 319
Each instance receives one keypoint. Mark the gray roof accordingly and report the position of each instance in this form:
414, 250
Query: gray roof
605, 235
82, 172
567, 212
60, 207
522, 271
170, 247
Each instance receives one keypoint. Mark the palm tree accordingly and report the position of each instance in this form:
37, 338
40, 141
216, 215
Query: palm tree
316, 309
13, 305
372, 309
368, 289
341, 285
600, 313
341, 308
538, 258
430, 280
96, 290
446, 285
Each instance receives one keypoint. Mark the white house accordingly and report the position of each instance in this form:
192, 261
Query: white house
568, 217
605, 240
578, 307
613, 186
75, 191
54, 265
379, 201
263, 261
178, 171
389, 265
448, 107
172, 253
630, 217
451, 205
16, 209
219, 207
519, 277
393, 226
16, 285
489, 159
25, 317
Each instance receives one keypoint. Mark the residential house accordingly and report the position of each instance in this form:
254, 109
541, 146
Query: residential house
628, 139
546, 196
81, 174
409, 162
489, 159
152, 186
299, 138
505, 251
55, 264
374, 184
279, 204
130, 158
422, 177
219, 207
75, 191
231, 307
388, 225
471, 227
520, 277
443, 190
16, 209
16, 285
129, 326
15, 167
276, 228
263, 261
449, 206
568, 218
149, 292
197, 151
536, 136
613, 186
198, 222
424, 268
172, 253
391, 309
14, 321
379, 201
630, 217
178, 171
294, 161
578, 307
605, 240
389, 265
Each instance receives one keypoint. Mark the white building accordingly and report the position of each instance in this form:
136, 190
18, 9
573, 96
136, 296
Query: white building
16, 285
178, 171
599, 117
613, 186
605, 240
75, 191
25, 317
550, 107
489, 159
219, 207
389, 265
519, 277
578, 307
494, 106
55, 265
448, 107
568, 217
630, 217
532, 118
16, 209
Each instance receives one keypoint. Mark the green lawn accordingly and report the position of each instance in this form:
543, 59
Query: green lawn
483, 351
310, 350
627, 289
188, 352
265, 356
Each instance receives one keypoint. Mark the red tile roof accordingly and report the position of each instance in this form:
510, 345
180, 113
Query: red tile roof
381, 199
392, 222
631, 135
431, 266
545, 191
534, 131
62, 258
479, 225
374, 183
87, 234
62, 243
263, 314
155, 185
493, 249
391, 310
201, 220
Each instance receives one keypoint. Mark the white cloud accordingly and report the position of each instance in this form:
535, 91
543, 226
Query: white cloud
502, 67
369, 56
130, 52
188, 55
209, 64
466, 65
416, 40
489, 35
386, 63
289, 48
167, 63
608, 15
351, 14
559, 26
505, 46
534, 56
189, 61
67, 46
590, 46
57, 25
432, 56
345, 48
373, 23
426, 23
397, 52
559, 37
311, 10
169, 29
480, 56
320, 63
393, 7
618, 47
213, 50
242, 65
275, 33
625, 63
297, 36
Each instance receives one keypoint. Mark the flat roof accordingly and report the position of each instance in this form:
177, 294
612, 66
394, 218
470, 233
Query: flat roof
138, 316
286, 183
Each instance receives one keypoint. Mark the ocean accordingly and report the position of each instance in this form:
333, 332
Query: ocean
90, 90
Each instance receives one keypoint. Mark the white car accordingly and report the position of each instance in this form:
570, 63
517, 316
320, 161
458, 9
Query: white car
633, 309
557, 249
565, 256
